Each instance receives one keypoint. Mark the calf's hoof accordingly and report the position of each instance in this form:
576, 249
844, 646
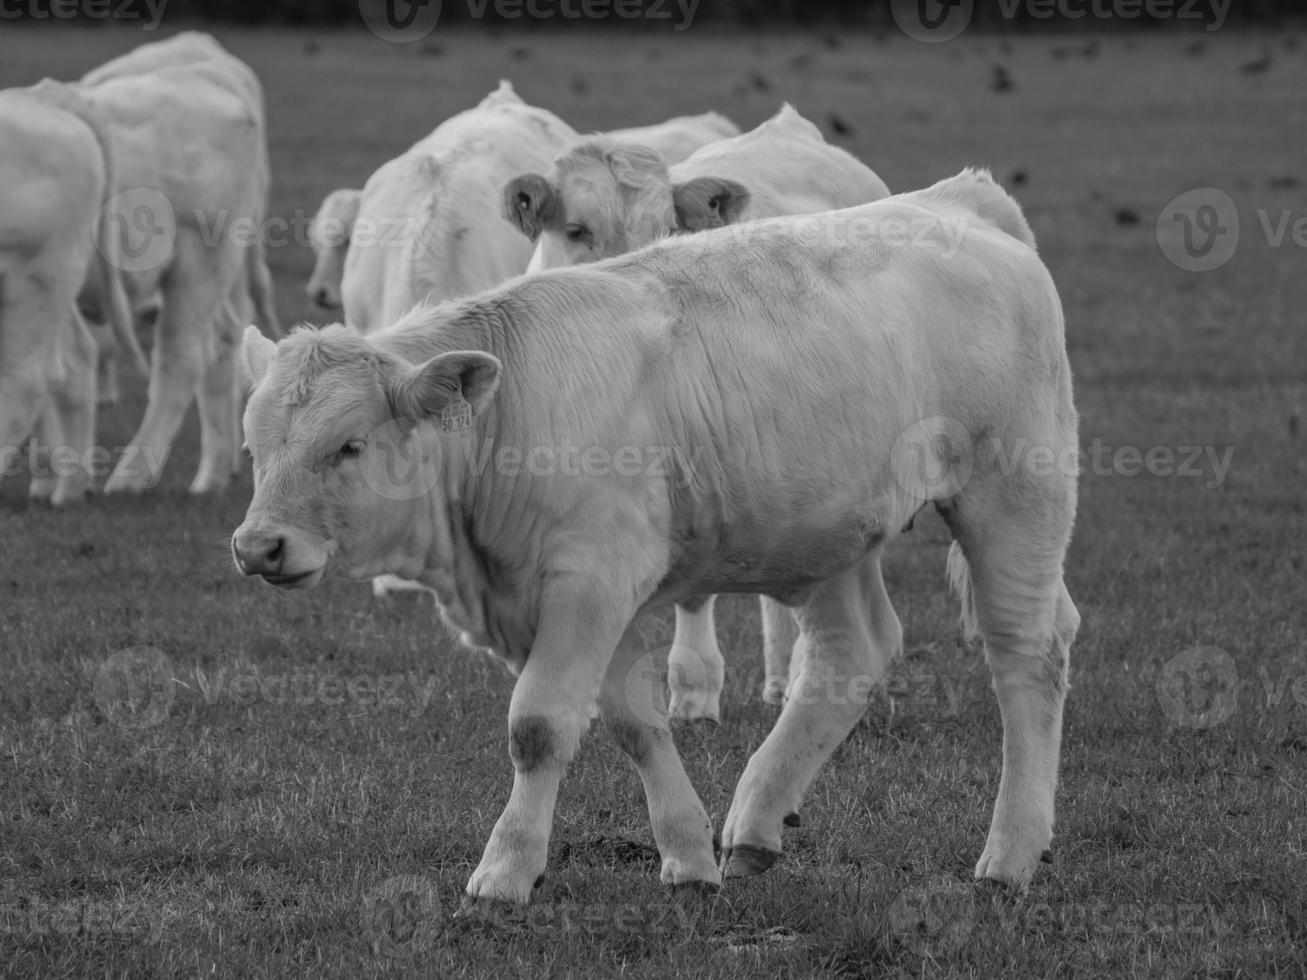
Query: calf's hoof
746, 860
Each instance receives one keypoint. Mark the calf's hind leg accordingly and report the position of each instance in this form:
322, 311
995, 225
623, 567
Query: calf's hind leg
848, 635
695, 667
631, 705
1007, 564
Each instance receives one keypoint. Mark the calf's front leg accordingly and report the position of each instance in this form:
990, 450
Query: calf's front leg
580, 627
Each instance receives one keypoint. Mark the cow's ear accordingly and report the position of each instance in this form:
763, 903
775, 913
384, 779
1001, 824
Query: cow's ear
437, 388
708, 202
256, 352
530, 203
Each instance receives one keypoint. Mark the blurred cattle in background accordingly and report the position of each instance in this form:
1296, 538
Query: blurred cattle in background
186, 127
54, 179
603, 198
330, 231
427, 227
679, 137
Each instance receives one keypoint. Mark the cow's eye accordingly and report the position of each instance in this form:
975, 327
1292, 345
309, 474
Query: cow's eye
351, 450
578, 233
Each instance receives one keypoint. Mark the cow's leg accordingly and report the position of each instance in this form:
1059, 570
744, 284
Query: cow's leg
69, 421
217, 401
193, 294
1007, 565
30, 324
41, 452
632, 707
848, 635
550, 710
779, 634
695, 668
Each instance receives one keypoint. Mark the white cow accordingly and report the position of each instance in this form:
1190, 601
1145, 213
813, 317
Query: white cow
190, 160
329, 232
809, 383
54, 173
679, 136
603, 198
329, 238
188, 48
426, 226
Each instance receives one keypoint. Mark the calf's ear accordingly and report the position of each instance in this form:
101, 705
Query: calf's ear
256, 352
708, 202
530, 203
430, 389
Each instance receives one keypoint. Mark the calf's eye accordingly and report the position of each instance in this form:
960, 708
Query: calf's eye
351, 450
578, 233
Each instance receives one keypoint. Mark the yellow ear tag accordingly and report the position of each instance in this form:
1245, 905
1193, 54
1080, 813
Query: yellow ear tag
456, 415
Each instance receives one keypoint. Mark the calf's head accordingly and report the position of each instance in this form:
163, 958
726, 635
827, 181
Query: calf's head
603, 198
349, 444
329, 235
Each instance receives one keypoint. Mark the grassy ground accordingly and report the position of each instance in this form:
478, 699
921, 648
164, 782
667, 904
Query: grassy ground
315, 746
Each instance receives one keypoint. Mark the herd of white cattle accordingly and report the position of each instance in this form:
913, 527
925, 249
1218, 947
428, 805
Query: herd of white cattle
815, 360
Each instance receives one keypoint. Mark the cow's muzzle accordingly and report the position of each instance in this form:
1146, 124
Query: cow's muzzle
263, 553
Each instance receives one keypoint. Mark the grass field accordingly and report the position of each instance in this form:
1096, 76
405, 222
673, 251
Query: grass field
314, 746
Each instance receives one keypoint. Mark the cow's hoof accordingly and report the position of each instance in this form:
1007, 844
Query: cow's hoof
688, 706
745, 860
707, 724
69, 497
1003, 868
472, 909
124, 483
696, 889
204, 486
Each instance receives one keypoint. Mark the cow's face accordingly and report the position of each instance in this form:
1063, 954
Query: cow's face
345, 456
329, 235
601, 199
